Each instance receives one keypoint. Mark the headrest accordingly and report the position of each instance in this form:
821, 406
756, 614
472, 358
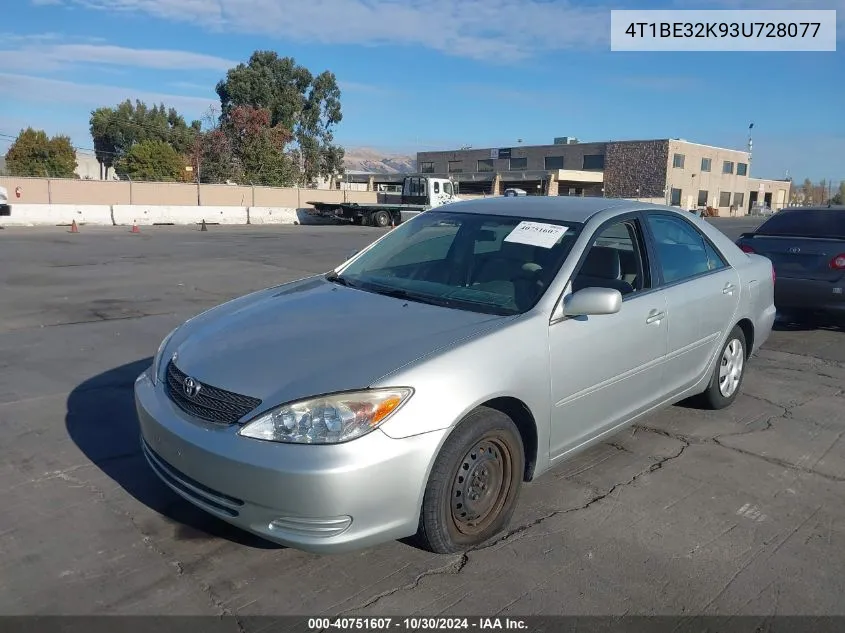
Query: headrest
602, 262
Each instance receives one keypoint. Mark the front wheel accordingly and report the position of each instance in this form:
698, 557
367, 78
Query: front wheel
474, 485
728, 373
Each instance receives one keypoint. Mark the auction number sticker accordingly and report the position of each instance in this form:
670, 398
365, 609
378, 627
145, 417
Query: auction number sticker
536, 234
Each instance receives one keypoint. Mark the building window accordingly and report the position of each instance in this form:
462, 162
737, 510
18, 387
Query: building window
593, 162
739, 198
427, 168
485, 165
741, 169
705, 164
678, 161
519, 163
725, 199
675, 200
702, 197
456, 166
728, 167
554, 162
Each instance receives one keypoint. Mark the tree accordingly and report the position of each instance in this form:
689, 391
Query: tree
33, 154
152, 160
115, 130
259, 148
305, 105
807, 190
839, 197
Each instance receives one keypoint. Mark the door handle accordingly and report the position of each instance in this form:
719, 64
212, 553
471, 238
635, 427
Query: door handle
655, 317
728, 289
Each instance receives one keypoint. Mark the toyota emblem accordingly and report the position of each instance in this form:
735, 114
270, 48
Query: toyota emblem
191, 387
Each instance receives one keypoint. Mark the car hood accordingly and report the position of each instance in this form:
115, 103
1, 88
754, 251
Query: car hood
312, 337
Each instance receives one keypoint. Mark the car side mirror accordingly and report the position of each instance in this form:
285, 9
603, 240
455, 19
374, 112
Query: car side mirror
592, 301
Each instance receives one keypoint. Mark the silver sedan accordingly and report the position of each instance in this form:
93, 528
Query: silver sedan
414, 389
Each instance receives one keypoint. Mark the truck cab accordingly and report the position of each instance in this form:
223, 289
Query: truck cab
430, 192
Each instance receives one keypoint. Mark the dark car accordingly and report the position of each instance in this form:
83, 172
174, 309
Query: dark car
807, 248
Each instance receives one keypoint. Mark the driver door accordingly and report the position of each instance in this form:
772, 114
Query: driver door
607, 368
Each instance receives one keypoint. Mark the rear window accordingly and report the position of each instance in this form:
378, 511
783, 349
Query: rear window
806, 223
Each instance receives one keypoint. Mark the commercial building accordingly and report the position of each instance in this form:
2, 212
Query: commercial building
666, 171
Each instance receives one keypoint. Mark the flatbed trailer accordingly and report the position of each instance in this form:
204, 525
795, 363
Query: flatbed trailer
419, 194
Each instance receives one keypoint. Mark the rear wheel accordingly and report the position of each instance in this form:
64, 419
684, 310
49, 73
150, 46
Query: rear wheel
726, 381
474, 485
381, 218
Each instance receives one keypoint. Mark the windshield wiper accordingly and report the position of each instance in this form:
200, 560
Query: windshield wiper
337, 279
398, 293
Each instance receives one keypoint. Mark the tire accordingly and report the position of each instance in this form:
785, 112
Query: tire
733, 351
381, 219
460, 473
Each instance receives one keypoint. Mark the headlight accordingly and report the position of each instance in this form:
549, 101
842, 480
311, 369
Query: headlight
328, 419
159, 353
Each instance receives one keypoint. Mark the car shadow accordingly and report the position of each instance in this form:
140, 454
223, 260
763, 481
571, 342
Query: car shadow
102, 421
807, 323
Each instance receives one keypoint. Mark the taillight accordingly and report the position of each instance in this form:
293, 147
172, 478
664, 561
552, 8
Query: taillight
746, 248
838, 262
774, 276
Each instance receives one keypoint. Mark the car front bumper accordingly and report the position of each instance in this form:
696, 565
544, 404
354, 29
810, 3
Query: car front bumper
318, 498
808, 294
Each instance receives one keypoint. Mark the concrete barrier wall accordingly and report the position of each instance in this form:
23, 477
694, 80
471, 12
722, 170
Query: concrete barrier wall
85, 192
57, 215
154, 214
274, 215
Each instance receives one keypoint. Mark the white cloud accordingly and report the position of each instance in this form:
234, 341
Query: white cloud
23, 88
490, 30
57, 56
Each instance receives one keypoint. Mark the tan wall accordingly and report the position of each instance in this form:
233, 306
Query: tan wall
690, 179
66, 191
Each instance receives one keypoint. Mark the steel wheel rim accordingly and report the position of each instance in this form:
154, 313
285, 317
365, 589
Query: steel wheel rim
730, 368
481, 486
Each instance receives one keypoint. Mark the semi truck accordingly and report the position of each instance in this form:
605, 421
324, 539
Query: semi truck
419, 194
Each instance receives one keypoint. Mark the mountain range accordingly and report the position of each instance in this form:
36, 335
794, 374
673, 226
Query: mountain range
375, 162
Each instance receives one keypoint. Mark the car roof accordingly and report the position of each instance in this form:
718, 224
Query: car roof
565, 208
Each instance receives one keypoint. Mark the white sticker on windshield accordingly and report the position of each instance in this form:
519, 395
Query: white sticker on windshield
536, 234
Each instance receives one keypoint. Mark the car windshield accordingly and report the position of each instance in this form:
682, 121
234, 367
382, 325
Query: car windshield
828, 223
482, 263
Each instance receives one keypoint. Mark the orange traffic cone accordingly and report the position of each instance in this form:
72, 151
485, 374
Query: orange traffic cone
135, 228
73, 227
203, 227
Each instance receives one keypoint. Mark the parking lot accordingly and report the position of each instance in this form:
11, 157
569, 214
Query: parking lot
732, 512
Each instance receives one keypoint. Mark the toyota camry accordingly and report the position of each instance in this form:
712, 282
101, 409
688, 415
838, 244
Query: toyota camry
416, 388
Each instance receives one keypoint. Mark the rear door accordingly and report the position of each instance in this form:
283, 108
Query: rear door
702, 294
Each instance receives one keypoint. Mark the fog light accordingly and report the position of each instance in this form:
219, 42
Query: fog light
321, 527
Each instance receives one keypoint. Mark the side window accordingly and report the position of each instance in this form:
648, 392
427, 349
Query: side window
682, 251
616, 259
447, 188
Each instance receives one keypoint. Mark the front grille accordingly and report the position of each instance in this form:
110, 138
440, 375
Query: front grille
211, 403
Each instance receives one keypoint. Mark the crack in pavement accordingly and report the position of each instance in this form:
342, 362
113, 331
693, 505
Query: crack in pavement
457, 565
717, 439
454, 567
150, 544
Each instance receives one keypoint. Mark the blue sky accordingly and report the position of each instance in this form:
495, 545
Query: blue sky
432, 74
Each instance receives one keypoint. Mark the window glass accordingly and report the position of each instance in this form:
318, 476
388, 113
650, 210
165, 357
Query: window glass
681, 250
614, 260
462, 261
806, 223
